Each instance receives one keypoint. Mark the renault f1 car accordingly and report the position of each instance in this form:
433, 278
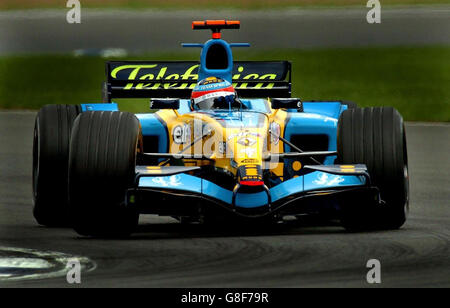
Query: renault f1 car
96, 168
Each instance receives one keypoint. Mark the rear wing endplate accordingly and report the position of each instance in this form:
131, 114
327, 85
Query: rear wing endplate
176, 79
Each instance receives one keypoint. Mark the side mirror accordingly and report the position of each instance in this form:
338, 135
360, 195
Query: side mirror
288, 103
165, 103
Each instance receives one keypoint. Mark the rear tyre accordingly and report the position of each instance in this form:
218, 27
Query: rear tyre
102, 165
52, 129
376, 137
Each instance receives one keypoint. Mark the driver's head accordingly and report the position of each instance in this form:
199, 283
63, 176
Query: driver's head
212, 92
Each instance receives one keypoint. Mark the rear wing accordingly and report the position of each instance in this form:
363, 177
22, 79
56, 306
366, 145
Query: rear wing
176, 79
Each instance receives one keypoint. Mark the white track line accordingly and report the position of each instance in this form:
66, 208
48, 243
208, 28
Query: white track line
87, 265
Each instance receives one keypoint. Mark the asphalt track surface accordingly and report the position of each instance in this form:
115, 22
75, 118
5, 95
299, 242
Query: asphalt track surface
46, 31
164, 253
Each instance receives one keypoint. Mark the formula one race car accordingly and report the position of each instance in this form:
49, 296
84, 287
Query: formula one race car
227, 144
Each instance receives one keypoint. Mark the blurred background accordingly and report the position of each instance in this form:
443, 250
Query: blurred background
404, 61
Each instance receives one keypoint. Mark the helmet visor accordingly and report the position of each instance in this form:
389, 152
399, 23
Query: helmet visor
220, 99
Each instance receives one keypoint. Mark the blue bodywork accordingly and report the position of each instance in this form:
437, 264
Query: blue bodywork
310, 182
316, 118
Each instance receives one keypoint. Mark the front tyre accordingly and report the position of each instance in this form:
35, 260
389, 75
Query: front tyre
376, 137
52, 129
102, 163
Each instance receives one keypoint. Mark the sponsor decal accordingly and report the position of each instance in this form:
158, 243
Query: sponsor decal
156, 72
249, 152
249, 161
210, 80
181, 134
244, 134
212, 95
246, 141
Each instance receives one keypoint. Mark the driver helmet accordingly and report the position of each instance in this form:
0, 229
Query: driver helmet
212, 90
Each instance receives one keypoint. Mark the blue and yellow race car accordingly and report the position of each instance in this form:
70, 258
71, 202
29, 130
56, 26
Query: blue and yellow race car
227, 143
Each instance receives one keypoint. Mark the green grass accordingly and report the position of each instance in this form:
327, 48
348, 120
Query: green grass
416, 80
205, 4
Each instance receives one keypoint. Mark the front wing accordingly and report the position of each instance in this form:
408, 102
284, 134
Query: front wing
180, 191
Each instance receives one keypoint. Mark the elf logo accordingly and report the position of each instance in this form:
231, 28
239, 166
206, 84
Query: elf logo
181, 134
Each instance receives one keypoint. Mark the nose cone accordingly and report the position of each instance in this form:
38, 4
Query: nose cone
248, 148
238, 141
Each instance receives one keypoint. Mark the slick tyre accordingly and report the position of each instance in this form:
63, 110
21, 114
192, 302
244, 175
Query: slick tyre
102, 165
52, 130
376, 137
